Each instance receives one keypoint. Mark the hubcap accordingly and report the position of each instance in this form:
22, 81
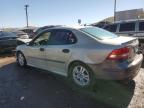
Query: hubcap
21, 59
81, 76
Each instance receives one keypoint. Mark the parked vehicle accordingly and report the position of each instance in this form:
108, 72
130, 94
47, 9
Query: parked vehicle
7, 41
82, 54
21, 34
132, 28
28, 31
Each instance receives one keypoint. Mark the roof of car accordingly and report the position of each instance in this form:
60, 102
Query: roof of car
71, 26
64, 26
77, 27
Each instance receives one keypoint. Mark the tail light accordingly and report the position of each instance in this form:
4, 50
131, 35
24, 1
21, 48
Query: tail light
119, 54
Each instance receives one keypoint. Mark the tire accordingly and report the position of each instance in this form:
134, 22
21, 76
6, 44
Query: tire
21, 59
81, 76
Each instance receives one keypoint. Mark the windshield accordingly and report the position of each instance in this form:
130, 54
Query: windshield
98, 33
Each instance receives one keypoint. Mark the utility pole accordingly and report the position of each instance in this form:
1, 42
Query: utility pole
115, 3
26, 9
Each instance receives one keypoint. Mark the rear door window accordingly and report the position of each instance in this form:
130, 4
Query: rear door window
141, 26
62, 37
124, 27
111, 28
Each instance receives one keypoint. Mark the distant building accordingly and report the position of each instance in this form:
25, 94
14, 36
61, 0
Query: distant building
129, 14
121, 16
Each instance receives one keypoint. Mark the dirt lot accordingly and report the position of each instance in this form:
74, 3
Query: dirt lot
34, 88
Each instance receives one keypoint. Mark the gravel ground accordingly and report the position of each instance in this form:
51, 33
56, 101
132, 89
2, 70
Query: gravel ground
138, 98
31, 88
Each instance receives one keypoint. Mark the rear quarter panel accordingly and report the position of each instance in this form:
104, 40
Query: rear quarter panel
90, 50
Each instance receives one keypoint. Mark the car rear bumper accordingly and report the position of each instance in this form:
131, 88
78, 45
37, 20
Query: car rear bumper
118, 71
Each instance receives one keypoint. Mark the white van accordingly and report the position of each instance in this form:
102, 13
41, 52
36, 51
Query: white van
132, 28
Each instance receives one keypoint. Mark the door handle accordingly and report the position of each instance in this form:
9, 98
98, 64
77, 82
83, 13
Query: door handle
42, 49
66, 50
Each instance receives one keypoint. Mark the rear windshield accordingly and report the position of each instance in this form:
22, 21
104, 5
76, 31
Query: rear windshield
141, 26
99, 33
111, 28
127, 27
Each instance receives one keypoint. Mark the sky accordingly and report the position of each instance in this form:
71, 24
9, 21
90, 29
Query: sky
60, 12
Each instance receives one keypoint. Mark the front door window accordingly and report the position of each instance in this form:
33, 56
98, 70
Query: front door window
42, 39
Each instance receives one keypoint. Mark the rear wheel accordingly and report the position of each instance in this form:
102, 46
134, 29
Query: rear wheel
21, 59
81, 76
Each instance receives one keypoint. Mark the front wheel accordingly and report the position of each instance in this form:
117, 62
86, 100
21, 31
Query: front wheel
81, 76
21, 59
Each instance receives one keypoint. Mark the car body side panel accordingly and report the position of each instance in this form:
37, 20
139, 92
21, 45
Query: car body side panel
34, 56
56, 59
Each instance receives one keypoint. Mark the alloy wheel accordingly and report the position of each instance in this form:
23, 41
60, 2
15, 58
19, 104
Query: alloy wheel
81, 76
21, 59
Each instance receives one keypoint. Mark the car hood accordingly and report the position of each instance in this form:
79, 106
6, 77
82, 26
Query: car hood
24, 40
121, 40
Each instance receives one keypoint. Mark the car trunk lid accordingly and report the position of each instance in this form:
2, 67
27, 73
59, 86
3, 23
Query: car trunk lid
131, 43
